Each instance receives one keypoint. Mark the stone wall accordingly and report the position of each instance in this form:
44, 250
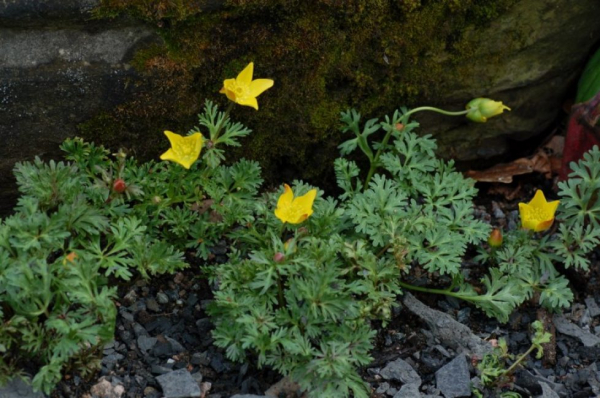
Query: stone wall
58, 68
64, 73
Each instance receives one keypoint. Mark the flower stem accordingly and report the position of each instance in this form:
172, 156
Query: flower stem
404, 120
433, 109
518, 361
222, 123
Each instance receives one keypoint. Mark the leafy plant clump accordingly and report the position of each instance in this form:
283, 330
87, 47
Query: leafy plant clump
81, 226
308, 277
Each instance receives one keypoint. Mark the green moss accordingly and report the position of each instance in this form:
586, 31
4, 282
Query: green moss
324, 55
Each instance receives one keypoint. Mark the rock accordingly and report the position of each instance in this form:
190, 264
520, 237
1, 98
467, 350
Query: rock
284, 387
382, 388
251, 396
17, 388
151, 392
408, 391
547, 391
200, 358
446, 329
145, 343
175, 345
162, 298
400, 370
565, 327
531, 382
57, 71
105, 389
152, 305
453, 379
178, 384
592, 307
110, 361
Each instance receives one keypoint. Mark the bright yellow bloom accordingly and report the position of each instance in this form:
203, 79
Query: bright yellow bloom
184, 150
480, 109
538, 215
243, 90
294, 210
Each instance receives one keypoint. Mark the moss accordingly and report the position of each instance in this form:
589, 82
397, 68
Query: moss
324, 55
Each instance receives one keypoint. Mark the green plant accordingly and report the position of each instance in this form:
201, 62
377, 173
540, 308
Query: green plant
302, 298
492, 368
80, 224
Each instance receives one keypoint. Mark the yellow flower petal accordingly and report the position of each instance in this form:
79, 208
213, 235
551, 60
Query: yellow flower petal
305, 202
243, 90
294, 210
286, 197
538, 214
258, 86
247, 101
245, 76
184, 150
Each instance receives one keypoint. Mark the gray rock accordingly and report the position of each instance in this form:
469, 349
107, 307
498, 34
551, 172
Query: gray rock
250, 396
446, 329
152, 305
453, 379
200, 358
383, 388
175, 345
408, 391
179, 384
547, 391
17, 388
162, 298
146, 343
400, 370
592, 307
565, 327
110, 361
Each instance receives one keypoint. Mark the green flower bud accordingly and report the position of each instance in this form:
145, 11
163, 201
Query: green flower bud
495, 239
480, 109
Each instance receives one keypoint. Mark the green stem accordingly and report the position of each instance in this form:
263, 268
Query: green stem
404, 119
433, 109
518, 361
425, 289
220, 126
281, 299
446, 292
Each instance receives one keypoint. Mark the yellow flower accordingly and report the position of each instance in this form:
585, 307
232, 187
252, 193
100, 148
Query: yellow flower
480, 109
294, 210
243, 90
184, 150
538, 215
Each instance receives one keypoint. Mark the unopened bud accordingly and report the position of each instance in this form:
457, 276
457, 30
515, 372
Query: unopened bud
119, 185
480, 109
156, 200
278, 257
495, 239
399, 126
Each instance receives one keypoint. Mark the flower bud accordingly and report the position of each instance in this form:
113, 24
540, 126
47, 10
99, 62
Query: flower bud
119, 185
399, 126
495, 239
480, 109
278, 257
156, 200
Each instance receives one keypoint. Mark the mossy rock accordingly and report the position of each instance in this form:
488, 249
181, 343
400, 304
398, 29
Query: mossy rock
373, 55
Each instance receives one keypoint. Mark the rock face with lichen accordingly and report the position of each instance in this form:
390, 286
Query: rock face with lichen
141, 67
